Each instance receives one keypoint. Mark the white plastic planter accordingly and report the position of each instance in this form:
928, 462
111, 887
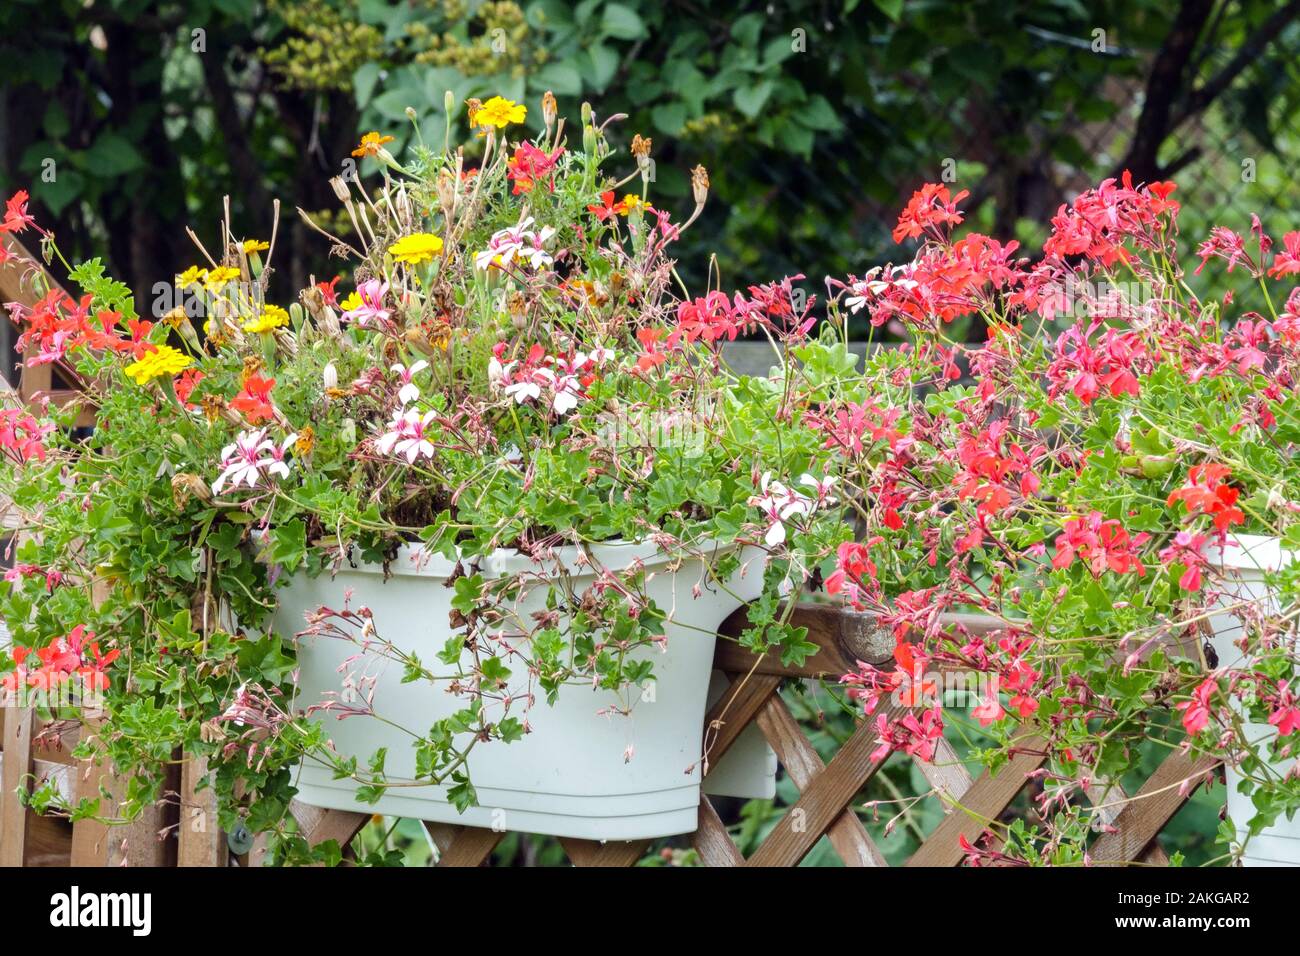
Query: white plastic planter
1244, 562
569, 777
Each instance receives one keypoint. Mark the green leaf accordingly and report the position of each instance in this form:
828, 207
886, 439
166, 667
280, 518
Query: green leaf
604, 64
561, 78
56, 122
494, 672
67, 187
622, 22
289, 545
1097, 598
891, 8
669, 118
392, 104
462, 796
364, 82
469, 592
818, 114
751, 99
728, 522
510, 729
112, 155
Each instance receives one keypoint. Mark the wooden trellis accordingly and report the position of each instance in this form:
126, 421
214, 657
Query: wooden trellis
824, 807
827, 791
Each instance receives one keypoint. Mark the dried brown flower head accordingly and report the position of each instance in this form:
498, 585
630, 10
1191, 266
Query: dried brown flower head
700, 184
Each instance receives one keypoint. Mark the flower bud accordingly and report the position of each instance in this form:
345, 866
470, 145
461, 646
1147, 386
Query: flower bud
446, 189
449, 103
330, 376
589, 139
549, 110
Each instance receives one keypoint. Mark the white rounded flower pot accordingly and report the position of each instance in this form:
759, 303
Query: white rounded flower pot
1244, 561
577, 774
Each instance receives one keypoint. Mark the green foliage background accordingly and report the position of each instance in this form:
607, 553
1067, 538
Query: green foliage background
815, 118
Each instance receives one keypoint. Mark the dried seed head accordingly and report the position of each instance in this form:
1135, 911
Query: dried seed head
186, 486
641, 150
330, 377
213, 405
312, 299
340, 189
700, 184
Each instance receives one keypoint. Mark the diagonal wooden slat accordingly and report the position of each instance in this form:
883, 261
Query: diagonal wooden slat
1109, 799
593, 853
471, 847
983, 802
711, 840
1146, 813
802, 762
318, 825
823, 800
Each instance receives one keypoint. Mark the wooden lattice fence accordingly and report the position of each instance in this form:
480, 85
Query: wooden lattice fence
825, 805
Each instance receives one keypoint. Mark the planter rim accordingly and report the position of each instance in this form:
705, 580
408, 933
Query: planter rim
413, 560
1257, 553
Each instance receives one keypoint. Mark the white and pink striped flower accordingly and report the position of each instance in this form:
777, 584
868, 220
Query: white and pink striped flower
407, 436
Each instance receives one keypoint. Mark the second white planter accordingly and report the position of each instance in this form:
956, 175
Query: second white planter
1244, 562
577, 774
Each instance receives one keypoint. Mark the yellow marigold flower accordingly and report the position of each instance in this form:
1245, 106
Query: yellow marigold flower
191, 276
255, 245
632, 202
498, 112
306, 441
351, 301
218, 277
163, 360
272, 317
371, 144
417, 248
